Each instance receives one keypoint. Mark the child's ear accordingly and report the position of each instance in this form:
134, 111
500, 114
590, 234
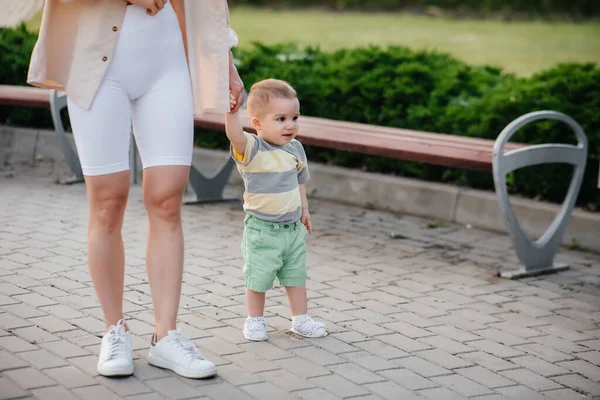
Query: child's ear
255, 123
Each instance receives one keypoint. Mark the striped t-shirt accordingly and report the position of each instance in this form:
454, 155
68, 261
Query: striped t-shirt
271, 176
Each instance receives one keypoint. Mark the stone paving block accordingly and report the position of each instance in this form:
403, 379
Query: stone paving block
237, 375
42, 359
267, 391
52, 324
559, 344
497, 349
421, 366
366, 328
221, 391
302, 367
34, 335
286, 380
70, 377
381, 349
125, 386
501, 337
445, 344
11, 322
8, 390
591, 356
29, 378
484, 377
53, 393
443, 359
355, 373
404, 343
14, 344
408, 379
582, 367
564, 394
97, 392
266, 350
369, 361
10, 361
530, 379
24, 310
86, 364
539, 366
8, 289
520, 393
544, 352
251, 362
318, 356
332, 345
462, 385
391, 391
338, 385
440, 393
315, 394
454, 333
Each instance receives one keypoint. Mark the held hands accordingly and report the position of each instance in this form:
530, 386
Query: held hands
232, 102
152, 6
305, 219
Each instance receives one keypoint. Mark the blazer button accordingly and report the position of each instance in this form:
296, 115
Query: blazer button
115, 29
104, 58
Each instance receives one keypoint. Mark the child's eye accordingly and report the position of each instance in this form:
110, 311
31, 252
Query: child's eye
281, 119
296, 118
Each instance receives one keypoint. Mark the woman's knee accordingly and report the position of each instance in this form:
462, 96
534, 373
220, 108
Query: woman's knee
163, 203
108, 200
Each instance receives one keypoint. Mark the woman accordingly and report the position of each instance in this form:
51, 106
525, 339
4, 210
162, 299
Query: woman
120, 61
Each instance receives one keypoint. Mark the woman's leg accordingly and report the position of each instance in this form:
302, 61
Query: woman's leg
102, 136
163, 193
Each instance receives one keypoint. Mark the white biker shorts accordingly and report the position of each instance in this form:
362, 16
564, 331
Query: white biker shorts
147, 81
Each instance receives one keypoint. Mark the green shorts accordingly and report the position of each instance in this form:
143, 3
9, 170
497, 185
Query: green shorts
272, 249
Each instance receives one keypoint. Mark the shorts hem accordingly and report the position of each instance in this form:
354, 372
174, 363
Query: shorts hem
167, 161
258, 288
105, 169
292, 282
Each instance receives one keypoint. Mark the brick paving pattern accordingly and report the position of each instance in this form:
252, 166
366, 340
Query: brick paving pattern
421, 316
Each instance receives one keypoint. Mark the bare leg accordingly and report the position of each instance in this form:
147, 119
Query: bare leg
163, 194
107, 198
297, 297
255, 303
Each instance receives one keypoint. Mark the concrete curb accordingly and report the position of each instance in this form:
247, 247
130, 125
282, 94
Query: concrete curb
396, 194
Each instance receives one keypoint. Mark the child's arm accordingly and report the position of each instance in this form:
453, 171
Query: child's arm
305, 218
234, 130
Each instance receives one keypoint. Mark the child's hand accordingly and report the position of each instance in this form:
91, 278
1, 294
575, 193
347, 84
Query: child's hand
305, 219
232, 101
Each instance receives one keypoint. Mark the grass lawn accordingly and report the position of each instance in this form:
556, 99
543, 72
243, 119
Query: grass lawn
519, 47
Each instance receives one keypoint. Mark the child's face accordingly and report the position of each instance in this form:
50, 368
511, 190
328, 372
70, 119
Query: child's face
279, 123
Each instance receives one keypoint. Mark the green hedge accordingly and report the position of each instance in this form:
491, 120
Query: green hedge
572, 7
402, 88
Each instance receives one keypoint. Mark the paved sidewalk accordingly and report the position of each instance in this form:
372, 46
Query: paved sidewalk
420, 316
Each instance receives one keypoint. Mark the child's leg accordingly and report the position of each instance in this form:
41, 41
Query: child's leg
297, 297
255, 303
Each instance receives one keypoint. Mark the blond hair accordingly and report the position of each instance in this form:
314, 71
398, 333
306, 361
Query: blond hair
263, 91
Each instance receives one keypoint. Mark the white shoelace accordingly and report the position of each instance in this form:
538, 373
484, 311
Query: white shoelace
185, 345
117, 342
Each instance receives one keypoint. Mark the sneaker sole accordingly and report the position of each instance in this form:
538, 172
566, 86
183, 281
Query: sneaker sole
119, 372
165, 364
256, 340
310, 337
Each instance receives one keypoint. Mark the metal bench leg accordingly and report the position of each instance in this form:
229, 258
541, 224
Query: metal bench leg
537, 257
210, 189
57, 103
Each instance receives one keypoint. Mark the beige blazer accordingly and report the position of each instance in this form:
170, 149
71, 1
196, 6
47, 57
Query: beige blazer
77, 39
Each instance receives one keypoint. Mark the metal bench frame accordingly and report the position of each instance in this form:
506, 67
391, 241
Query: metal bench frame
537, 257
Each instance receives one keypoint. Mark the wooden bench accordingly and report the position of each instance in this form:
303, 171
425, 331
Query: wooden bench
425, 147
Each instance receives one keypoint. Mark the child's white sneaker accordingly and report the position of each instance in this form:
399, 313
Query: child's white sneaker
255, 329
180, 355
116, 352
304, 325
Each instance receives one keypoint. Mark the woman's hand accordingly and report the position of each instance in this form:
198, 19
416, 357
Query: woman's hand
236, 86
152, 6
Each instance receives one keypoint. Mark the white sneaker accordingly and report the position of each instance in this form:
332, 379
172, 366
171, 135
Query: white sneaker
180, 355
116, 352
306, 326
255, 329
